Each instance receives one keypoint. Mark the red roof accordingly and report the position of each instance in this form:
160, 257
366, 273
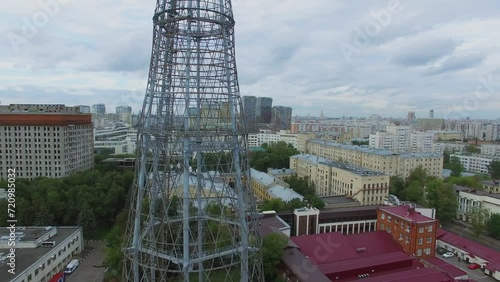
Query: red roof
413, 275
443, 265
407, 213
473, 248
375, 262
333, 247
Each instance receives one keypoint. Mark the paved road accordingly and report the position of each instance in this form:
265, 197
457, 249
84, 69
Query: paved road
87, 272
476, 274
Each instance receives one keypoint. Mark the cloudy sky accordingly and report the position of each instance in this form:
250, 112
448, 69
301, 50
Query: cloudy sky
347, 58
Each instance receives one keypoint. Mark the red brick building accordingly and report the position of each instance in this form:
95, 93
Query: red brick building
415, 232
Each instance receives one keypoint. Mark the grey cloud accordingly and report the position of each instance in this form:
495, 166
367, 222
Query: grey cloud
455, 63
424, 51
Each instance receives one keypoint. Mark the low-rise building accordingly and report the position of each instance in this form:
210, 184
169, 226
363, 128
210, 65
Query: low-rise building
470, 198
267, 187
415, 232
281, 173
40, 252
330, 178
269, 137
474, 162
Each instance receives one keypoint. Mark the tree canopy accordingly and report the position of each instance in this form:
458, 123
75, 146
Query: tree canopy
494, 169
493, 225
275, 155
456, 167
479, 219
272, 250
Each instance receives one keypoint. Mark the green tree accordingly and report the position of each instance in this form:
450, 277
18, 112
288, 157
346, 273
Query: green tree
446, 156
315, 201
493, 225
479, 218
86, 219
442, 197
273, 205
456, 167
276, 155
494, 169
419, 174
414, 193
472, 149
397, 186
272, 250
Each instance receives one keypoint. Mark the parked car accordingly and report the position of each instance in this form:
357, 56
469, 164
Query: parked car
473, 266
72, 266
448, 255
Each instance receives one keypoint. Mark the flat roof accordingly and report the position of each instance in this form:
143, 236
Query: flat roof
337, 200
413, 275
26, 257
262, 177
406, 212
271, 224
445, 266
341, 165
382, 152
284, 193
473, 248
475, 191
281, 171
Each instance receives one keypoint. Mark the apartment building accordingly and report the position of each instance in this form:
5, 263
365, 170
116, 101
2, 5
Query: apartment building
421, 142
268, 137
385, 161
415, 232
490, 149
331, 178
475, 162
45, 140
304, 127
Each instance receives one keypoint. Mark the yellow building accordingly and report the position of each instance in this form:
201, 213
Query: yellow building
331, 178
267, 187
449, 135
381, 160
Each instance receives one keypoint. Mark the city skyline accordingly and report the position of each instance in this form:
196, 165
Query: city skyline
419, 57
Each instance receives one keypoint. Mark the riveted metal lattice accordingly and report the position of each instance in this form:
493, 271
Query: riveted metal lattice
192, 214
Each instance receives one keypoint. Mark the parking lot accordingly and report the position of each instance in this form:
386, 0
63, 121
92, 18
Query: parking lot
475, 274
90, 269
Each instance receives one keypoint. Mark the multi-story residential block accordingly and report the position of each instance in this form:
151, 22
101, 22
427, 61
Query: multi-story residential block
448, 135
490, 149
124, 114
474, 162
430, 123
415, 232
421, 142
330, 178
45, 140
269, 137
382, 140
304, 127
454, 147
401, 137
469, 198
99, 109
267, 187
281, 117
84, 109
385, 161
41, 253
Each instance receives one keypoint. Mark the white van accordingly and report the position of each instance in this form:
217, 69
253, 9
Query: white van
72, 265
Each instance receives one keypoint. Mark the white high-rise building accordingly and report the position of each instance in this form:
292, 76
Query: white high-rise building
474, 163
421, 142
402, 137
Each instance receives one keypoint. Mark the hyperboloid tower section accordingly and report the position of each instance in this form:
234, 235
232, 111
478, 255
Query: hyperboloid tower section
192, 214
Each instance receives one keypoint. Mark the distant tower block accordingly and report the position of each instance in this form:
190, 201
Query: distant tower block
192, 214
431, 114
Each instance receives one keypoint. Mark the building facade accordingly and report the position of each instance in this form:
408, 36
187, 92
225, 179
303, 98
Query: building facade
333, 178
45, 141
470, 198
269, 137
249, 104
124, 114
263, 109
99, 109
281, 117
413, 231
474, 162
385, 161
84, 109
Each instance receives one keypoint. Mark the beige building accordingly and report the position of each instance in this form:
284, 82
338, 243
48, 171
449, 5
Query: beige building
331, 178
384, 161
45, 140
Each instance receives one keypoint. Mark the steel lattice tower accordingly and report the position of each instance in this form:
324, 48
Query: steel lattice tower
192, 214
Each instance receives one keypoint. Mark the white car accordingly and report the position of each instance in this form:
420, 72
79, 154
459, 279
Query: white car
448, 255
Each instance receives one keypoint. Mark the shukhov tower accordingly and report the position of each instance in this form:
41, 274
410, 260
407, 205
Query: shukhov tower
192, 214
